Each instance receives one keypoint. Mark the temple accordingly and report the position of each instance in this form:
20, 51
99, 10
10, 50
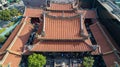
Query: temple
63, 30
58, 29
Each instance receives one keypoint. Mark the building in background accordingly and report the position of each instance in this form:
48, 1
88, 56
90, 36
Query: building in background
3, 4
13, 1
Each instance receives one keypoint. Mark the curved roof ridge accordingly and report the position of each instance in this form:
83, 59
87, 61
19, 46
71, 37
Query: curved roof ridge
60, 3
63, 17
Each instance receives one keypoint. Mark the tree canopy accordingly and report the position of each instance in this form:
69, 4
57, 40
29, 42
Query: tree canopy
36, 60
14, 12
88, 61
5, 15
2, 39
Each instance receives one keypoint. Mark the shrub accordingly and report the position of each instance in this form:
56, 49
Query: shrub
36, 60
2, 39
88, 61
5, 15
2, 30
7, 34
14, 12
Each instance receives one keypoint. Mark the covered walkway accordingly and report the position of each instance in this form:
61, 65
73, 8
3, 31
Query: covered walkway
109, 51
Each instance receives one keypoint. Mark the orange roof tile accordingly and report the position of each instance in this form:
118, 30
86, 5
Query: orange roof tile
11, 37
14, 59
50, 46
62, 28
105, 46
54, 6
23, 37
54, 29
33, 12
99, 37
110, 59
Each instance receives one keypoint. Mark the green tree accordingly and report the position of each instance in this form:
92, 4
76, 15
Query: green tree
14, 12
2, 39
2, 30
5, 15
88, 61
7, 34
36, 60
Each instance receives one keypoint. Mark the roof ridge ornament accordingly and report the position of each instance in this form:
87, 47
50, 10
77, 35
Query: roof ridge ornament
62, 17
95, 47
48, 3
75, 4
43, 31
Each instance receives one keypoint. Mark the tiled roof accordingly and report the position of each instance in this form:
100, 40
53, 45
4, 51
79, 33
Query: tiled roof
14, 59
65, 46
62, 28
54, 29
54, 6
99, 37
105, 46
32, 12
58, 46
110, 59
10, 39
